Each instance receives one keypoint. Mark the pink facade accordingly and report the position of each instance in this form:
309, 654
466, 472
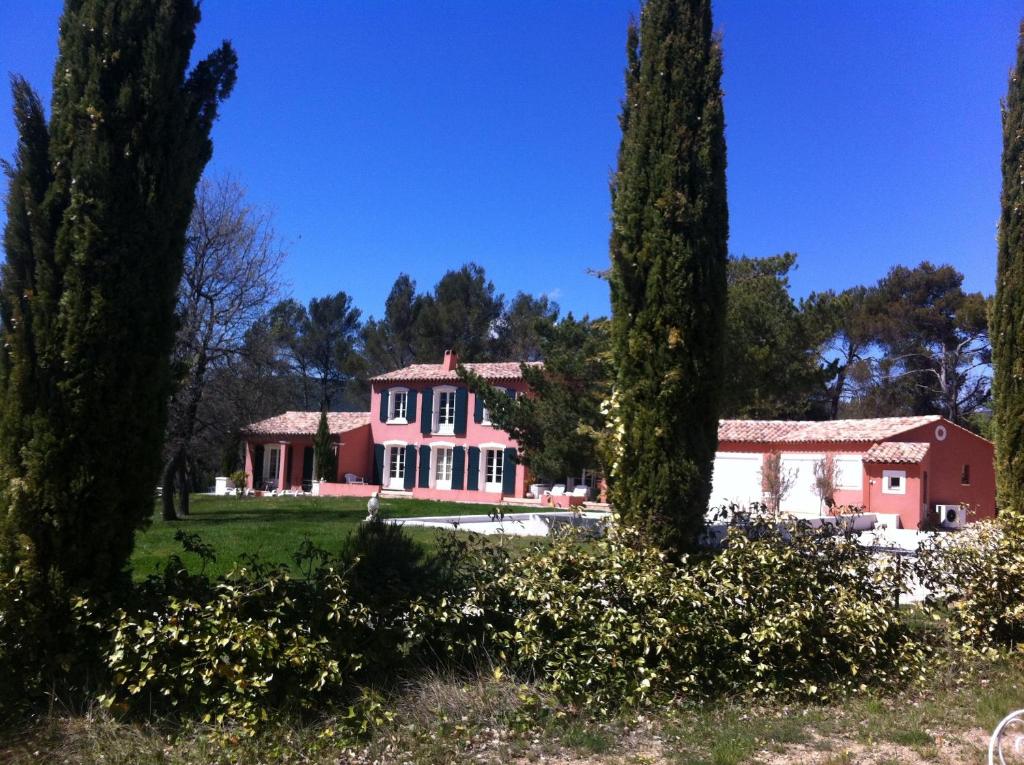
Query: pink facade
901, 466
432, 436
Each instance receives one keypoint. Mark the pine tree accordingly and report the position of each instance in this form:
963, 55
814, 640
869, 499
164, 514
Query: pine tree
668, 275
98, 205
1007, 329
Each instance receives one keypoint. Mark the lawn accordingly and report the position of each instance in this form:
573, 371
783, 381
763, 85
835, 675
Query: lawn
274, 527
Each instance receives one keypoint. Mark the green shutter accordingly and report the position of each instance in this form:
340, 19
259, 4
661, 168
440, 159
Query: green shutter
257, 467
426, 421
461, 405
458, 466
473, 479
478, 408
378, 464
424, 467
410, 467
508, 472
383, 406
410, 405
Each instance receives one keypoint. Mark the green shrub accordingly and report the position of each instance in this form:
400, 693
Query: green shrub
48, 646
259, 643
779, 611
976, 577
805, 611
386, 568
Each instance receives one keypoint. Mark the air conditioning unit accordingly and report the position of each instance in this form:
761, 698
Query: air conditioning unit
952, 516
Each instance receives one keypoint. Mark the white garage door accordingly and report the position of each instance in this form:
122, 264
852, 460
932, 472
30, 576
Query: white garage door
736, 479
802, 498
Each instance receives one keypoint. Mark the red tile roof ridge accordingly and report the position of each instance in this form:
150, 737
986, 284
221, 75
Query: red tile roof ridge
299, 423
489, 370
803, 431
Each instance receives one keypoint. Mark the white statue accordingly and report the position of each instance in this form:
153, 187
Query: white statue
373, 507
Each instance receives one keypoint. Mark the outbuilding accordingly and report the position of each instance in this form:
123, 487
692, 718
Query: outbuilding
906, 467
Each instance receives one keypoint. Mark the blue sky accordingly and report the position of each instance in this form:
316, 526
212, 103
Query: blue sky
410, 136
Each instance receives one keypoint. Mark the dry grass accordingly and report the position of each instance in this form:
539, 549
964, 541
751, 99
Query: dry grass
447, 719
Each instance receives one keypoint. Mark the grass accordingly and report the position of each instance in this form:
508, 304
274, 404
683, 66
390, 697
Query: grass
482, 720
273, 527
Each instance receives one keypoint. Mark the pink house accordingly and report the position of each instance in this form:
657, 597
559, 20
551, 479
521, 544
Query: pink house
433, 438
900, 466
426, 435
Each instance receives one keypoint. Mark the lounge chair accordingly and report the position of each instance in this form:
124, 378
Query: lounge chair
558, 490
353, 478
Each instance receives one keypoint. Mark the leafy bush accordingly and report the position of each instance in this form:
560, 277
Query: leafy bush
47, 643
233, 650
263, 638
781, 610
976, 577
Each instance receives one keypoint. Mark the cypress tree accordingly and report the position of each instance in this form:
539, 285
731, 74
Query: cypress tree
98, 205
668, 276
324, 454
1007, 329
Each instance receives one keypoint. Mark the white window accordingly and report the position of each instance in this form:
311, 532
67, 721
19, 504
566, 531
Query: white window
396, 466
493, 469
443, 462
398, 406
444, 411
894, 481
485, 416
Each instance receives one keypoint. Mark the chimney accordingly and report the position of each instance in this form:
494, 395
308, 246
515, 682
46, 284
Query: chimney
451, 360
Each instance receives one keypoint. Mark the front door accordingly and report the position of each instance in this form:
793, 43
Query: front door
395, 473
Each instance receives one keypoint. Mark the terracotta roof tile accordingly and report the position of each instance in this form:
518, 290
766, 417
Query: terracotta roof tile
489, 370
897, 451
802, 431
306, 423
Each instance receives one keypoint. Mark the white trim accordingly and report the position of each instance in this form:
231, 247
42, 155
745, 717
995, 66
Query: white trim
392, 420
493, 445
394, 443
887, 487
449, 444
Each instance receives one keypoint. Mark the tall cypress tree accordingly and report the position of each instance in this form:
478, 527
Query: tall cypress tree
98, 205
1007, 331
668, 276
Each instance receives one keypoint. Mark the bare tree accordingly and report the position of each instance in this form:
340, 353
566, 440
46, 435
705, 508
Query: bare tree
826, 476
232, 263
776, 481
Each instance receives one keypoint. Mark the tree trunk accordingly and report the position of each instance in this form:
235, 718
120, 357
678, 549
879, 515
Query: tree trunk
183, 486
167, 482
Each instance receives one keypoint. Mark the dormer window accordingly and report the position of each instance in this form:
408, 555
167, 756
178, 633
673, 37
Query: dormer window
398, 406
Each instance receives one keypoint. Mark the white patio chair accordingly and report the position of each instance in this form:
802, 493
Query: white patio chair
353, 478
